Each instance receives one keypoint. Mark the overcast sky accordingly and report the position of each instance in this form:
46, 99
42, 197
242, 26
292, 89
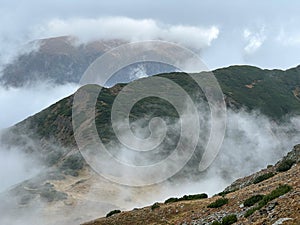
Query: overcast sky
256, 32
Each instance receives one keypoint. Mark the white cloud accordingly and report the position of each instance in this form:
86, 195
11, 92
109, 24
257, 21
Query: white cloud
129, 29
15, 167
18, 103
23, 21
254, 40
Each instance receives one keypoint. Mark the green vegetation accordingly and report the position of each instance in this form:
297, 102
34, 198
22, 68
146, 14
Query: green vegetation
249, 212
155, 206
72, 164
218, 203
285, 165
279, 191
230, 219
263, 177
276, 102
53, 157
252, 200
116, 211
269, 91
187, 198
48, 193
224, 193
227, 220
53, 195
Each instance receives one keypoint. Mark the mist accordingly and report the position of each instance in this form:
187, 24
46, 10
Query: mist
252, 141
18, 103
16, 166
249, 32
262, 34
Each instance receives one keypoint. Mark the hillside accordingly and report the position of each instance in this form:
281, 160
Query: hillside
67, 184
64, 60
273, 92
58, 59
281, 207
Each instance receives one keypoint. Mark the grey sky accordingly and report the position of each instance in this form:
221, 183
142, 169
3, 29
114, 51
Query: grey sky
263, 33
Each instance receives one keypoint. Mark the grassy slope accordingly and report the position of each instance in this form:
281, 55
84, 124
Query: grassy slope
197, 212
272, 94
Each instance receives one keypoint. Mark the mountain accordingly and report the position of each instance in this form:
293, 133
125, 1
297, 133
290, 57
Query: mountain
65, 59
58, 59
67, 184
270, 196
273, 92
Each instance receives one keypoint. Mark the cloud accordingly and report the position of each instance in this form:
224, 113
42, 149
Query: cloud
252, 142
220, 35
131, 30
18, 103
15, 167
254, 40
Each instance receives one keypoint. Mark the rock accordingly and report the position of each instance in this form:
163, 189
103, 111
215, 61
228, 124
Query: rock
271, 206
263, 212
281, 220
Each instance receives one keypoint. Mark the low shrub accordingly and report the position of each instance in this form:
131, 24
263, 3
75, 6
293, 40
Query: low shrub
53, 195
223, 193
155, 206
116, 211
170, 200
194, 197
285, 165
252, 200
263, 177
218, 203
227, 220
279, 191
230, 219
249, 212
187, 198
74, 162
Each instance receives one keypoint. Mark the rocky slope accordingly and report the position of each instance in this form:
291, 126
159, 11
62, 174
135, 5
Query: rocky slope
283, 208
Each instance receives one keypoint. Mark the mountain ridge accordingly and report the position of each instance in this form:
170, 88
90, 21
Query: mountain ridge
68, 180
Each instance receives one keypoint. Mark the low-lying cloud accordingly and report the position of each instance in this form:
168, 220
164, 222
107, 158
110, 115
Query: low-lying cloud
18, 103
252, 142
218, 27
131, 30
16, 166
